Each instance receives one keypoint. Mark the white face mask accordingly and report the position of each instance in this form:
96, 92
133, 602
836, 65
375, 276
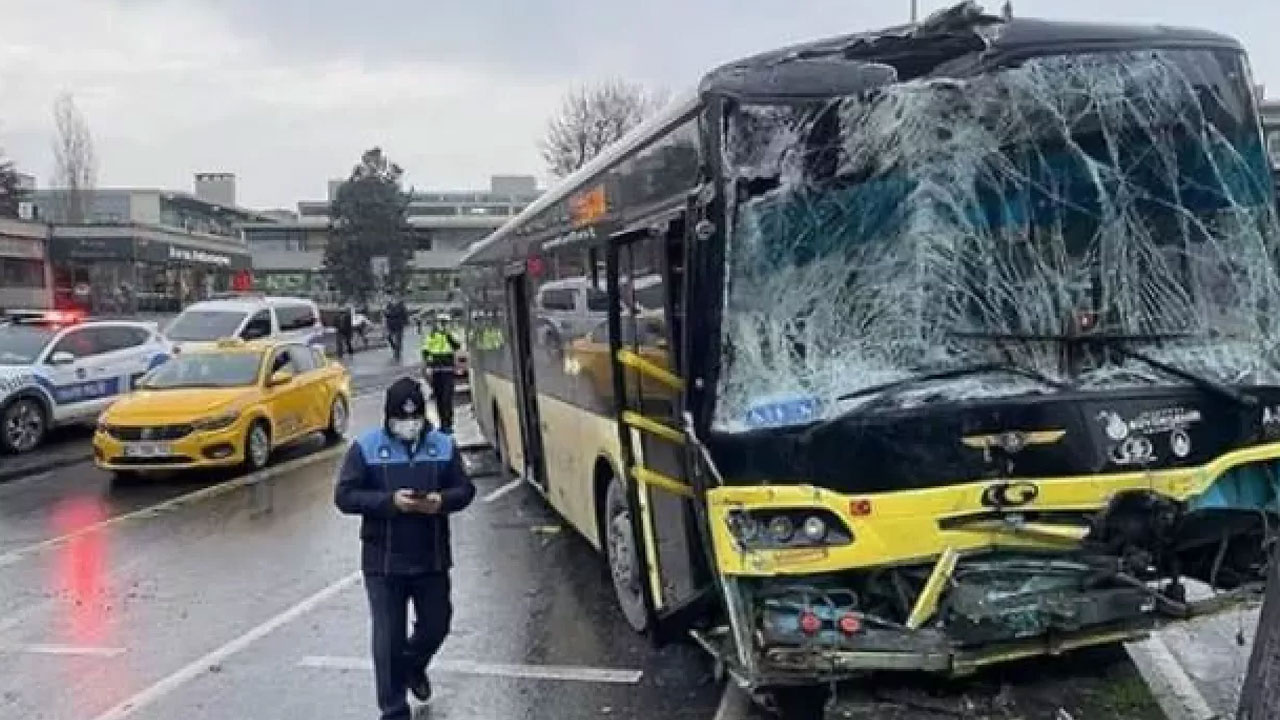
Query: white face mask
407, 430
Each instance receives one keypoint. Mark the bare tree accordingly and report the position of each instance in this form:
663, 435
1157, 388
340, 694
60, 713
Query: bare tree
75, 164
590, 119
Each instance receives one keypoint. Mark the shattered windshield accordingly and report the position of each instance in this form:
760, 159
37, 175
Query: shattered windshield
874, 235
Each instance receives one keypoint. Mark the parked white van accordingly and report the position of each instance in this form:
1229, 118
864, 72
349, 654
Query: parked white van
248, 317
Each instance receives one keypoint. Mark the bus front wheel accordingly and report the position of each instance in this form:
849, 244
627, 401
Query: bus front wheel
624, 557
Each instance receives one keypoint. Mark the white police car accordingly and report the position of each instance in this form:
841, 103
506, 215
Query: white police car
58, 370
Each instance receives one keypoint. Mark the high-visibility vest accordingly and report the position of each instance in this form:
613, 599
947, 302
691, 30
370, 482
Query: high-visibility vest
437, 343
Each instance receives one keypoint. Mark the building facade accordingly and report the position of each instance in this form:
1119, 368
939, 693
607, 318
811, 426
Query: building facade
25, 274
146, 250
288, 257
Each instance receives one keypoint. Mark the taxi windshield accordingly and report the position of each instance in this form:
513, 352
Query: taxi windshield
22, 344
198, 325
211, 370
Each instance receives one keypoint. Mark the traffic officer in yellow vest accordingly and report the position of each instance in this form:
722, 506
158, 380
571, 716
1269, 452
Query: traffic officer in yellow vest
439, 358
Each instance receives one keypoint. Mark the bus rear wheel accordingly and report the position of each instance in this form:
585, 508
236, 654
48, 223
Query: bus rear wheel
622, 550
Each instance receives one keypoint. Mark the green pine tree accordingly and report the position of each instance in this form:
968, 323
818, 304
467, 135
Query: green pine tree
11, 192
368, 220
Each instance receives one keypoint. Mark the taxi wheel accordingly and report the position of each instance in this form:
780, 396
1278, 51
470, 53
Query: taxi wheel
257, 446
339, 419
23, 424
624, 559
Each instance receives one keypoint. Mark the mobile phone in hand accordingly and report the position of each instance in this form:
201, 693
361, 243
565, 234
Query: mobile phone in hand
416, 494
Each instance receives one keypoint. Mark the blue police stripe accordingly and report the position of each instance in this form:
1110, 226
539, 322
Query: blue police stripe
157, 360
80, 392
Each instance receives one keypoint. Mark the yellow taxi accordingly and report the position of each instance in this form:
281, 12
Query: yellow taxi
644, 334
230, 404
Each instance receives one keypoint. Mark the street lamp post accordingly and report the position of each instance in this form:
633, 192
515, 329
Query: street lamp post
915, 10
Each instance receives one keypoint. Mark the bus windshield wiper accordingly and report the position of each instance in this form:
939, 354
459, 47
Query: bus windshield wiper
948, 374
951, 374
1117, 342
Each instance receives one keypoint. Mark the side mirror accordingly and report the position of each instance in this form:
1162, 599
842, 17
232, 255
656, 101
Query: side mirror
280, 377
62, 357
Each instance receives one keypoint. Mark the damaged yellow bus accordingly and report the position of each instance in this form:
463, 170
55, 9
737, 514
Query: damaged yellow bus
917, 350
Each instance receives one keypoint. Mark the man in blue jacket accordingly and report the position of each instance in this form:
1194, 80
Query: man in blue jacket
404, 479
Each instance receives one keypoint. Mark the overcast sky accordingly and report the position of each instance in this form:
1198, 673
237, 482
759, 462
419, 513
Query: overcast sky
286, 93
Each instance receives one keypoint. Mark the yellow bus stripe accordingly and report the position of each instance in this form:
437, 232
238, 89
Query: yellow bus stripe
645, 367
653, 478
653, 427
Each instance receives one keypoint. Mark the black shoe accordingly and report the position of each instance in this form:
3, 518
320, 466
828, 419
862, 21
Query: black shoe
421, 688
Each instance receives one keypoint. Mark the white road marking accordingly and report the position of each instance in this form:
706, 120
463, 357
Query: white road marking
467, 667
1172, 688
734, 704
501, 491
46, 649
201, 665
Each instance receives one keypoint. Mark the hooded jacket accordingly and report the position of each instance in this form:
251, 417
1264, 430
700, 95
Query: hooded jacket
379, 463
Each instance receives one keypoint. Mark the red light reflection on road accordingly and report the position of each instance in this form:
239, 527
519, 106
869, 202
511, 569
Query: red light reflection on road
80, 570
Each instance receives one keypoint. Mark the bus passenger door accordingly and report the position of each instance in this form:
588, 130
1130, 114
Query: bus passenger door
517, 291
649, 285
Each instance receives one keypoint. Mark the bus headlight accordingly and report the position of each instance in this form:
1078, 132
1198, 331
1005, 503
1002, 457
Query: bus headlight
787, 528
781, 529
814, 529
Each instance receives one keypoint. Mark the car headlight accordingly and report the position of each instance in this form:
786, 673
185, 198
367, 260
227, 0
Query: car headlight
218, 422
789, 528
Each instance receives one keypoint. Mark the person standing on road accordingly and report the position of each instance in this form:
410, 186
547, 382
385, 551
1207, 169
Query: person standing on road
404, 479
439, 360
345, 325
397, 317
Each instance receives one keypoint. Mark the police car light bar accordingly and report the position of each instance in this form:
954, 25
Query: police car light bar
50, 317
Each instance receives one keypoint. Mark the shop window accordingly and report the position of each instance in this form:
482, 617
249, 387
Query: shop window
21, 273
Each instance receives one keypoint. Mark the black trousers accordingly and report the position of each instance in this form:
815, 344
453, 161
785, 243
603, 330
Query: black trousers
344, 345
398, 659
395, 338
442, 389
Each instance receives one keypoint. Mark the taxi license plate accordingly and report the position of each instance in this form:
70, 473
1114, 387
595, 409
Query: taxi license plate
148, 450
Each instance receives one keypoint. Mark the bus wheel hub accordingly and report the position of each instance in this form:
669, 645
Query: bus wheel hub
620, 546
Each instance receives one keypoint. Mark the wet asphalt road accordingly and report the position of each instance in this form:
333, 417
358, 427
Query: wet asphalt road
245, 603
208, 598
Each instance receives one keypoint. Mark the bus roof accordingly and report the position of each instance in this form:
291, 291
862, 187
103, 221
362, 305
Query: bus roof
645, 132
849, 64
